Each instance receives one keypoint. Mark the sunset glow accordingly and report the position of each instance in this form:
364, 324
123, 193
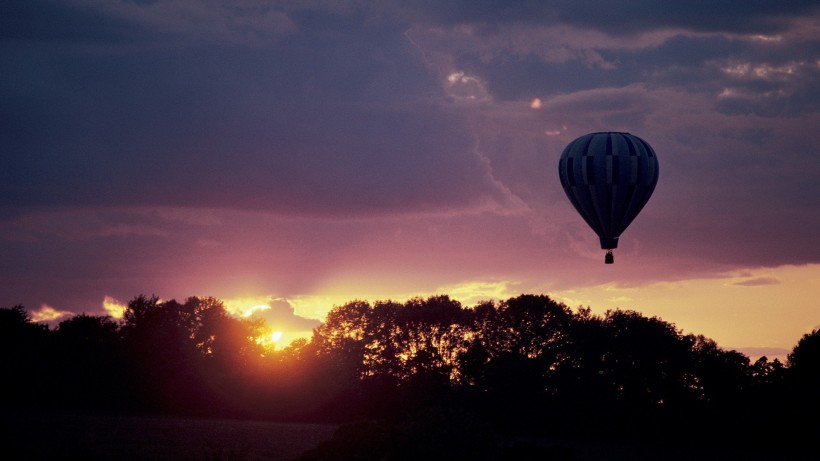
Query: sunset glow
48, 314
113, 307
291, 172
271, 339
745, 310
344, 229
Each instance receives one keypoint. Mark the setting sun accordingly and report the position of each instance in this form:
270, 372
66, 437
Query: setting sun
282, 325
270, 339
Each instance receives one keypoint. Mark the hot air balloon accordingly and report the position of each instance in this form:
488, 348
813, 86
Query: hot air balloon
608, 177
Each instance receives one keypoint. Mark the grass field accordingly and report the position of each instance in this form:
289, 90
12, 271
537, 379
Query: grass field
64, 437
132, 438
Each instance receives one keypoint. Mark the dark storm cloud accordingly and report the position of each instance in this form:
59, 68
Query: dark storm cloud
50, 21
327, 121
622, 17
287, 112
756, 16
416, 113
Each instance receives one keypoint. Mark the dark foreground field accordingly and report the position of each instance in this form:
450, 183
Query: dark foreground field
126, 438
132, 438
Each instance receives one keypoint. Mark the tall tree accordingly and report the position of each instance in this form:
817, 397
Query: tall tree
804, 377
89, 362
24, 358
164, 355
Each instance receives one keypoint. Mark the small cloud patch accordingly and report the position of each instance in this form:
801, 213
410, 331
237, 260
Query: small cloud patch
49, 315
757, 282
770, 353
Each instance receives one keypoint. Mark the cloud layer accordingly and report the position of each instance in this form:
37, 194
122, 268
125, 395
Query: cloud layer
216, 148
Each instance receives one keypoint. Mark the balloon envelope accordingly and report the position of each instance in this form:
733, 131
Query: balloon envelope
608, 177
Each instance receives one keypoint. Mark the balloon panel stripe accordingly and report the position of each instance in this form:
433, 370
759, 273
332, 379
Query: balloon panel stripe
581, 202
632, 151
613, 207
608, 145
649, 151
598, 200
563, 166
616, 169
626, 215
589, 172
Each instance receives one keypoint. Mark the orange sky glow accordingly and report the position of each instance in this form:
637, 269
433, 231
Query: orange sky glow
258, 159
760, 311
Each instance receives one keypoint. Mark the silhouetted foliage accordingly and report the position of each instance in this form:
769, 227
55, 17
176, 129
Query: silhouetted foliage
427, 374
190, 357
804, 367
803, 386
89, 363
23, 347
161, 344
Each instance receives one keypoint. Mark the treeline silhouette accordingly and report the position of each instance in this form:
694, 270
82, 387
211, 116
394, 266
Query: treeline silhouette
526, 366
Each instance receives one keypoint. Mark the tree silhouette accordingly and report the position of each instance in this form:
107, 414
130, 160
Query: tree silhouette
512, 350
389, 355
344, 335
164, 356
89, 362
191, 357
23, 354
527, 365
647, 369
803, 382
230, 358
804, 363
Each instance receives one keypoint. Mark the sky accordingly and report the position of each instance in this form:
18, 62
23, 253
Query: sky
297, 155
